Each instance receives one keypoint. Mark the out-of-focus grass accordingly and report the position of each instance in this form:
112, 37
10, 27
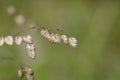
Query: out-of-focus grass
94, 23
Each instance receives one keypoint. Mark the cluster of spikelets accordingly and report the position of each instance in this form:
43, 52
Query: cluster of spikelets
24, 70
27, 39
56, 38
20, 19
52, 37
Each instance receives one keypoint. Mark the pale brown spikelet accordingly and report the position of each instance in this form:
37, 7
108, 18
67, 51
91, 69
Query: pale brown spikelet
52, 39
29, 77
50, 36
64, 38
29, 74
57, 38
31, 50
24, 70
44, 32
18, 40
9, 40
21, 71
30, 46
27, 39
73, 41
47, 36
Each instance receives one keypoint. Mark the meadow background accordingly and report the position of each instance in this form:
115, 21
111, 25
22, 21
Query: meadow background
95, 24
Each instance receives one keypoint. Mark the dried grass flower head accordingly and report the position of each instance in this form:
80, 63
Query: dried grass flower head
50, 36
57, 38
24, 70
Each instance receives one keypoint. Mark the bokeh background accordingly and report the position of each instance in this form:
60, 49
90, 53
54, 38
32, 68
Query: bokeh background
95, 24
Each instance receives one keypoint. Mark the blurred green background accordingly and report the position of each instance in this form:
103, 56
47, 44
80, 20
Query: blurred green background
95, 24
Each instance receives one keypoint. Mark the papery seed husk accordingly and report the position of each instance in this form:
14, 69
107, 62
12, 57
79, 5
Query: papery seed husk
9, 40
29, 71
31, 53
72, 41
30, 46
52, 39
18, 40
57, 38
27, 39
64, 38
31, 50
29, 77
20, 73
44, 32
48, 36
